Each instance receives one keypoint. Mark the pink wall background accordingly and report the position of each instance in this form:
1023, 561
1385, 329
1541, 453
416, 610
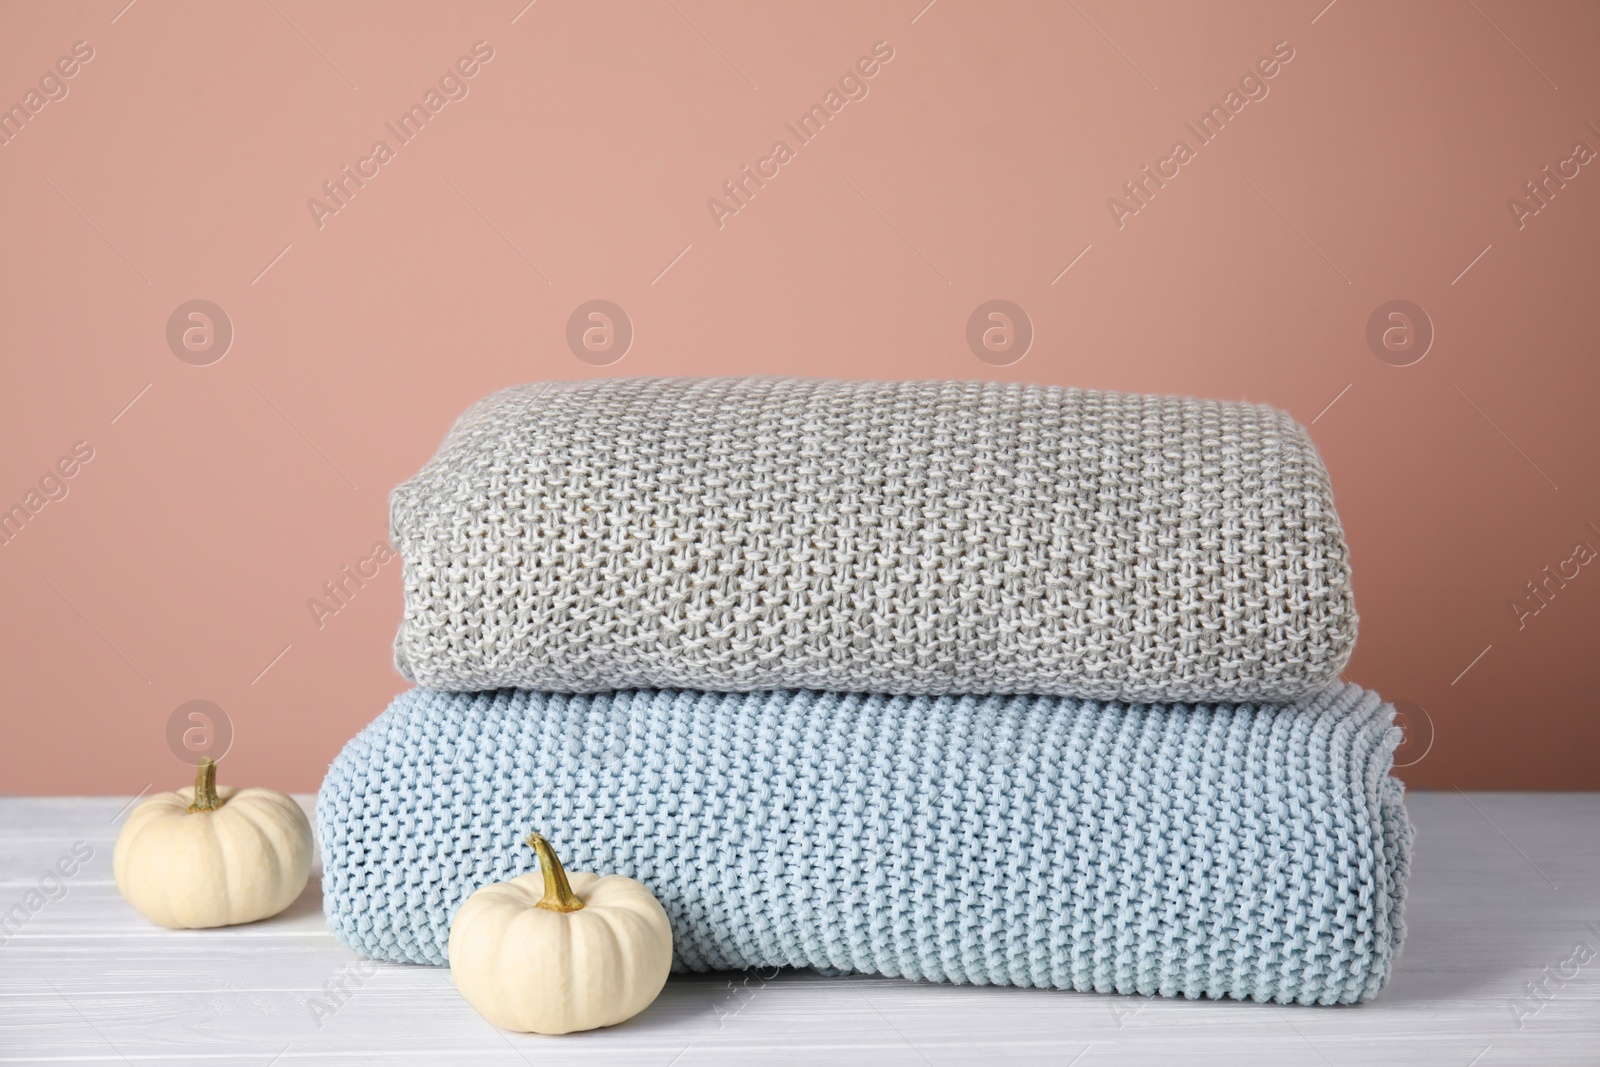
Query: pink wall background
177, 162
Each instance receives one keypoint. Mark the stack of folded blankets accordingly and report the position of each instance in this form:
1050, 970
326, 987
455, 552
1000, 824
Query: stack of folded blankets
970, 682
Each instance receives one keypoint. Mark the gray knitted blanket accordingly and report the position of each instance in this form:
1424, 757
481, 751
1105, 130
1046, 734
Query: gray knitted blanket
741, 534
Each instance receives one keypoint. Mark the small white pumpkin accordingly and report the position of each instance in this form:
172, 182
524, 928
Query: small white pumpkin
551, 957
204, 857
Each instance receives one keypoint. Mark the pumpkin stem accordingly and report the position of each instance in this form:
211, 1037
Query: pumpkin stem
558, 895
205, 786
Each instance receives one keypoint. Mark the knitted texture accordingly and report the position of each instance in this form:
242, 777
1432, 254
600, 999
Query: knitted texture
1240, 851
742, 534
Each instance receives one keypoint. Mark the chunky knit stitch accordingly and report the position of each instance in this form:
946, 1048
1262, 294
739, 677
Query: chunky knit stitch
1236, 850
740, 534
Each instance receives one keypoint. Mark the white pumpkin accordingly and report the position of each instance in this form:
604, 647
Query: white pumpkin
205, 856
547, 956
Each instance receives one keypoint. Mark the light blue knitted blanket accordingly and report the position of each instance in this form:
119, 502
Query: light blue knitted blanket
1187, 850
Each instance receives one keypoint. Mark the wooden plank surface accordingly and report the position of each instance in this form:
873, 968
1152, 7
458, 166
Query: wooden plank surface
1501, 966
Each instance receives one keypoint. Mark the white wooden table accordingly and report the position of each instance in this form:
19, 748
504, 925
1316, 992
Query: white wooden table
1506, 888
